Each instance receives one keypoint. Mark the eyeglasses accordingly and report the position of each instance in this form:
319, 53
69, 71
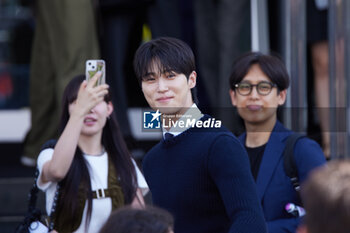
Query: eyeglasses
263, 88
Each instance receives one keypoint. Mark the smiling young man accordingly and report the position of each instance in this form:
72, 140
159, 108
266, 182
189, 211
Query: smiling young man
259, 85
198, 172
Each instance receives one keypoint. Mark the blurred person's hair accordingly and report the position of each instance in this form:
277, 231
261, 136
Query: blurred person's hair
272, 67
151, 219
165, 54
326, 198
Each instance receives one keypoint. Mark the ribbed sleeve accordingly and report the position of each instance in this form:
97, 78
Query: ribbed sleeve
229, 167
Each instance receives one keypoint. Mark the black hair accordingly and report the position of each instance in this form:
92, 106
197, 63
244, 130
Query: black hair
130, 220
169, 54
78, 174
272, 66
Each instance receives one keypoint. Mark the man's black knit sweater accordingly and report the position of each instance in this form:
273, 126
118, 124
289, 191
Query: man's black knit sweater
202, 176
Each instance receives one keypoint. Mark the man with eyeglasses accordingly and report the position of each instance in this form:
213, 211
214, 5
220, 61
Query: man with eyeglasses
258, 86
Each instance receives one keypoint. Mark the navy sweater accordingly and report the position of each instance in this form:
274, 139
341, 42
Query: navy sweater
203, 178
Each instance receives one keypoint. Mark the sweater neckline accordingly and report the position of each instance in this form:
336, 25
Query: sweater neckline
174, 139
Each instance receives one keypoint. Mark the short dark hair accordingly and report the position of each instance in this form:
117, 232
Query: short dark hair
326, 198
130, 220
169, 54
272, 66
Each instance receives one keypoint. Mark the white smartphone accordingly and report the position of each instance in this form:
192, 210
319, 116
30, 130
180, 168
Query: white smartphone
92, 66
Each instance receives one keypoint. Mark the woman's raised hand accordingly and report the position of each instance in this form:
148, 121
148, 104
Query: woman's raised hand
89, 95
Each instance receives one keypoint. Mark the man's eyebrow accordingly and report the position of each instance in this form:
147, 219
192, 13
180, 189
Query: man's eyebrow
152, 73
149, 74
168, 71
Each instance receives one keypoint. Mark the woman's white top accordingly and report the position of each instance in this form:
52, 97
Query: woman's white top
98, 169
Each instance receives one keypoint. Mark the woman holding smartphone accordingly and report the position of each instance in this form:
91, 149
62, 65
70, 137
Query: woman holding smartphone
90, 162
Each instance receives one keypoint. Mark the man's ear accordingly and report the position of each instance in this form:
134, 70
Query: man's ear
282, 95
109, 108
233, 97
192, 79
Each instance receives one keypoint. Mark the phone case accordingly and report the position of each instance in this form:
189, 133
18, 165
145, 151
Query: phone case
92, 66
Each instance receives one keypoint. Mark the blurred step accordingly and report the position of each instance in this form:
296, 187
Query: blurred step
14, 201
15, 124
14, 196
8, 224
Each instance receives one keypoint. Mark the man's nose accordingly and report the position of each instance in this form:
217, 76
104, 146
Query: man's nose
162, 85
254, 92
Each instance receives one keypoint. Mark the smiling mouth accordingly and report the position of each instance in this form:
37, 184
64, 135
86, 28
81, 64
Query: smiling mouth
164, 99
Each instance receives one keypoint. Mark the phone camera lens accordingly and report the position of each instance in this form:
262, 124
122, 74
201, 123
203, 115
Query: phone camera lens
93, 67
89, 63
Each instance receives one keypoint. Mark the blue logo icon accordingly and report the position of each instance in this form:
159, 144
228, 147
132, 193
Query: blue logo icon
151, 120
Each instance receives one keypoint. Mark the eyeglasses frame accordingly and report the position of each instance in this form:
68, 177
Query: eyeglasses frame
256, 87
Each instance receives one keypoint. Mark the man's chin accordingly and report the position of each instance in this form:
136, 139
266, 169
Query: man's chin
168, 110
